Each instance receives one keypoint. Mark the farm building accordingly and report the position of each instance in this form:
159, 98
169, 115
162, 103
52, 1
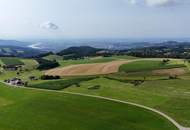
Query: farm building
33, 78
12, 67
15, 81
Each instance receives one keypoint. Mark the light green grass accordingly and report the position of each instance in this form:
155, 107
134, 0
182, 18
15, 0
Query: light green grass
84, 61
29, 69
146, 65
24, 75
29, 64
11, 61
38, 110
169, 96
60, 84
94, 60
53, 57
125, 57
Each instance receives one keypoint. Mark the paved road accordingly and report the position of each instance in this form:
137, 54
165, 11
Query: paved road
114, 100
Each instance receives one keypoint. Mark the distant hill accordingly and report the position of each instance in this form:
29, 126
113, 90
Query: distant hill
7, 50
13, 43
170, 49
78, 52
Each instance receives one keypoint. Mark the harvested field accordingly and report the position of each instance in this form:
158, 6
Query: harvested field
87, 69
175, 71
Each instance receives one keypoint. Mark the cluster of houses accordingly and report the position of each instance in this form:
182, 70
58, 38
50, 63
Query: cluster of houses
16, 82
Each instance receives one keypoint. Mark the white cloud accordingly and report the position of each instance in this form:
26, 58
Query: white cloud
159, 3
133, 1
49, 26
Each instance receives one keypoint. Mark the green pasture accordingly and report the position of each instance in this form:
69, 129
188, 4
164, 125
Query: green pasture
22, 109
147, 65
11, 61
169, 96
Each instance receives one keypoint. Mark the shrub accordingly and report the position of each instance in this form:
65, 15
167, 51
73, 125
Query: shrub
165, 61
49, 77
173, 77
94, 87
137, 82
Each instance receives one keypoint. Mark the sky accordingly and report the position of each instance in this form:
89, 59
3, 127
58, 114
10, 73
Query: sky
94, 19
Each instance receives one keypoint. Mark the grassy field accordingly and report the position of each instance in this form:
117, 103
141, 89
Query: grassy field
61, 84
11, 61
28, 67
146, 65
169, 96
53, 57
29, 64
94, 60
84, 61
24, 75
22, 109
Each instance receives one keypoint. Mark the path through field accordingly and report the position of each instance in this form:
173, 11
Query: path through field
88, 69
114, 100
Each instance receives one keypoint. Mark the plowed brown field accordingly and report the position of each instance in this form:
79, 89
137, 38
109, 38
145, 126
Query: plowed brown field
87, 69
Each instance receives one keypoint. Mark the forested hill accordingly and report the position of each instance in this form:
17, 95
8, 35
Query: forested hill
18, 51
173, 50
79, 52
13, 43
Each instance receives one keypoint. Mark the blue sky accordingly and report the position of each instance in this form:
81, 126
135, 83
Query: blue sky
94, 18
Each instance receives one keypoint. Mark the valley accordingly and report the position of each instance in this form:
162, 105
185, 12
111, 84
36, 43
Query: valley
159, 83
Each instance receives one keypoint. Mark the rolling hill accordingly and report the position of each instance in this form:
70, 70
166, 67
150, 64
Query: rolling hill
78, 52
17, 51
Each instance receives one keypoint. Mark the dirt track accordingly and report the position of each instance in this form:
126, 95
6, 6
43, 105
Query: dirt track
87, 69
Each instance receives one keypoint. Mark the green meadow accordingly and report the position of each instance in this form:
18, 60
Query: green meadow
94, 60
24, 109
169, 96
39, 109
11, 61
147, 65
157, 91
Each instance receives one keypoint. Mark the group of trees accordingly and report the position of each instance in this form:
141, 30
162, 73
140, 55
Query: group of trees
79, 52
49, 77
46, 64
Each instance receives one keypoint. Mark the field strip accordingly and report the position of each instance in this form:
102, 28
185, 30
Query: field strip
114, 100
90, 69
175, 71
93, 68
87, 69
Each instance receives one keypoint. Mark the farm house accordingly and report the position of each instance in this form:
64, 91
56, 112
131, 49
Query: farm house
11, 67
15, 81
